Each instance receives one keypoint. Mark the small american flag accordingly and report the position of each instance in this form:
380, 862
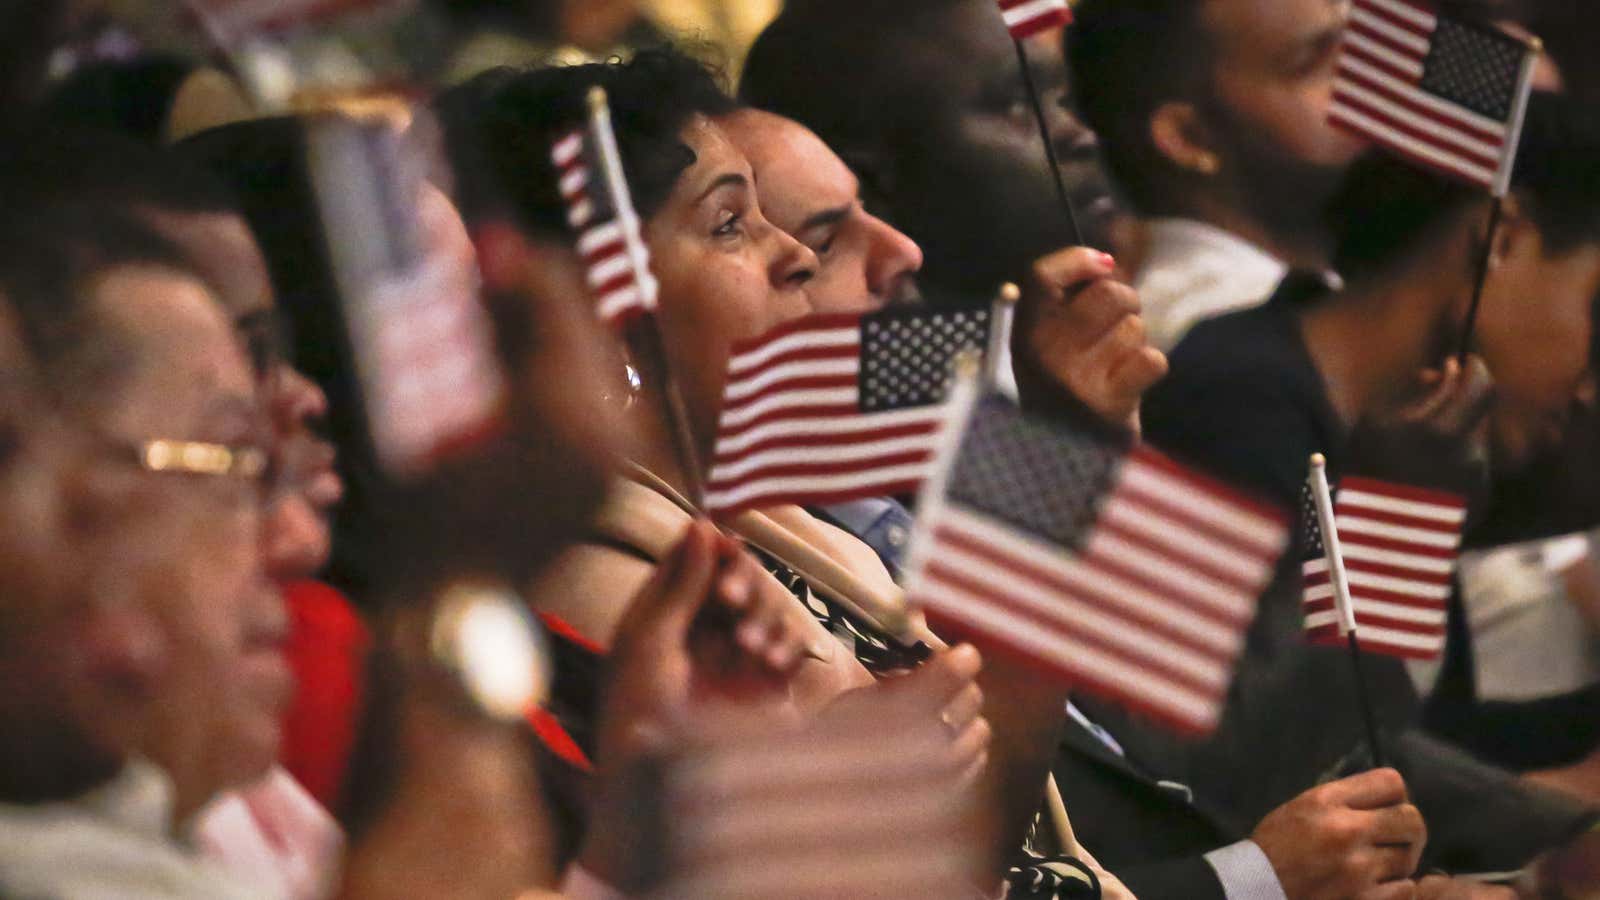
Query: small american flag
1399, 546
600, 211
1026, 18
1117, 569
1446, 94
835, 408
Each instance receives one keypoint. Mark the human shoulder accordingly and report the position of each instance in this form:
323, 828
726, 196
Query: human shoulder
589, 585
73, 850
1243, 402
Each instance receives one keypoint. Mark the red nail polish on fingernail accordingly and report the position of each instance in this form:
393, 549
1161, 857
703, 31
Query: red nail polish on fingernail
1108, 260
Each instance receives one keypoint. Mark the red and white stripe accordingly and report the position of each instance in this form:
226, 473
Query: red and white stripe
1026, 18
792, 428
1152, 613
1400, 546
1378, 95
610, 270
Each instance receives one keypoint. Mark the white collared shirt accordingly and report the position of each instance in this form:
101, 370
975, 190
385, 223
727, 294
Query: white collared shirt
1193, 271
115, 842
275, 835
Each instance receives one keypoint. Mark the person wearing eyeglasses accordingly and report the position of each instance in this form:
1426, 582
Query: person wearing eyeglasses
143, 366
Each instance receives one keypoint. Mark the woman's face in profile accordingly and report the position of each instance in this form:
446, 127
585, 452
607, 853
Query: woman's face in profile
726, 273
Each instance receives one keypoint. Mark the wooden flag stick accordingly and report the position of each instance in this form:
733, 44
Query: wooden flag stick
1075, 232
1002, 315
1341, 597
1496, 213
1066, 839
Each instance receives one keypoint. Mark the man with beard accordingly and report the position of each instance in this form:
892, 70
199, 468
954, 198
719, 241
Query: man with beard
925, 102
1224, 147
1253, 394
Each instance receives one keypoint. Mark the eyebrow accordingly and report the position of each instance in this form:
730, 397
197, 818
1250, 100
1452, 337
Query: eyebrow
827, 217
733, 179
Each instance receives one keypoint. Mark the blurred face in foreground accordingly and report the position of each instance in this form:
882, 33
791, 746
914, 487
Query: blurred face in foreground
77, 664
221, 248
198, 535
806, 190
511, 503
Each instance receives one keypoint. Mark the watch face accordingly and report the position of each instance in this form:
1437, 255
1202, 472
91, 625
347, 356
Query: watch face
487, 637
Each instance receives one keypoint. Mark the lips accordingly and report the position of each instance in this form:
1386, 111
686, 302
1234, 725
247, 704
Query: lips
309, 468
325, 489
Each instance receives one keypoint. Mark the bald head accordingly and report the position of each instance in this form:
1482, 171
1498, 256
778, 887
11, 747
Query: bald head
806, 190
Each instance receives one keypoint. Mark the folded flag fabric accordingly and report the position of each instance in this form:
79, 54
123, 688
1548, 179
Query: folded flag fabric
1447, 94
1026, 18
1399, 546
600, 211
840, 407
1115, 568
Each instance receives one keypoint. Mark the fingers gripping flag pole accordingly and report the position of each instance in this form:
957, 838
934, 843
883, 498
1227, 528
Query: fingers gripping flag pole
611, 242
1024, 19
1345, 609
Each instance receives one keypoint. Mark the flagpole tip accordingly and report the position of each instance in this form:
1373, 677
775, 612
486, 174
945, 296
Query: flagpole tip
1318, 461
597, 98
1010, 294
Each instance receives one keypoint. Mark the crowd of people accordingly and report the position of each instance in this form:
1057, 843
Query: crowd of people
281, 617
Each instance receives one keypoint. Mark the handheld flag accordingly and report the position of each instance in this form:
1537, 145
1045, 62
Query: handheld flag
1026, 18
600, 210
835, 408
1115, 568
1398, 546
1447, 94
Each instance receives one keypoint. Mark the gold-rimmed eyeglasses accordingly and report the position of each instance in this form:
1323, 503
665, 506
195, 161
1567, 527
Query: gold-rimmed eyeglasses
202, 458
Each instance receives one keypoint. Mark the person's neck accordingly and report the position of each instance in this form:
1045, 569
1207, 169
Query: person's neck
190, 796
657, 451
1296, 240
1370, 342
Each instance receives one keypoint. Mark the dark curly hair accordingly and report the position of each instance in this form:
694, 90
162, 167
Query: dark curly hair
499, 127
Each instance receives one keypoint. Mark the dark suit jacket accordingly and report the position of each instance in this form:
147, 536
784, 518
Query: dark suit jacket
1245, 402
1151, 834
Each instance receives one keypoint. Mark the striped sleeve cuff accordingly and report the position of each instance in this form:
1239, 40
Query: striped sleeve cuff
1245, 872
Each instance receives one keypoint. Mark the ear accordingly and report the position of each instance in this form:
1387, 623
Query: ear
1510, 236
1180, 134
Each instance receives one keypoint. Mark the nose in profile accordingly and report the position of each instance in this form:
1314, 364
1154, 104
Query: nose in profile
792, 263
893, 261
